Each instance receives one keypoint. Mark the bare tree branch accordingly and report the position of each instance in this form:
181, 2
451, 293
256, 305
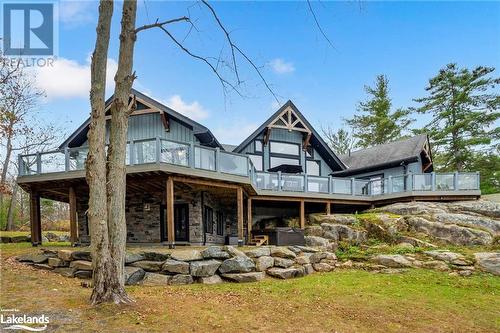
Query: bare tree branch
235, 47
318, 25
223, 81
228, 37
158, 24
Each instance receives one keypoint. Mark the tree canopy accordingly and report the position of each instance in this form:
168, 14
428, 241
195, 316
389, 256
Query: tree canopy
464, 105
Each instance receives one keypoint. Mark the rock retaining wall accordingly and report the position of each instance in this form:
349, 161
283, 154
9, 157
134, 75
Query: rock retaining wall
215, 264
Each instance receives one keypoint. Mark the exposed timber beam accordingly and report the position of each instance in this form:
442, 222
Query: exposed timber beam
239, 199
302, 215
35, 219
170, 212
73, 226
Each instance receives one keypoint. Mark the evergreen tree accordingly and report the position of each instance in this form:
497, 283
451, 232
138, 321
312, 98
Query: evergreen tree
464, 105
376, 124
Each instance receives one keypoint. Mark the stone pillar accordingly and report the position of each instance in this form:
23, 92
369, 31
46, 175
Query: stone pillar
327, 208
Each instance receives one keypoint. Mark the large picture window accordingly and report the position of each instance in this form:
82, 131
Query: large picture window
257, 161
276, 161
284, 148
313, 168
208, 218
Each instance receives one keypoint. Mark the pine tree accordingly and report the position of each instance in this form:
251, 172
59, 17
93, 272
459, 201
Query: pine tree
376, 124
464, 105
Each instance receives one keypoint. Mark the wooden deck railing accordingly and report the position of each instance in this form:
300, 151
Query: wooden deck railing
190, 155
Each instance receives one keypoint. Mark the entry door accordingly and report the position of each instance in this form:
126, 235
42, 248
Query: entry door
181, 222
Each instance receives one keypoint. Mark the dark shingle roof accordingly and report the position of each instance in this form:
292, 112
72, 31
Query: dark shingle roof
385, 154
228, 147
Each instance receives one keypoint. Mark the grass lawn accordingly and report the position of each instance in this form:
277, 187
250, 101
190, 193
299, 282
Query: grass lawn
343, 301
28, 233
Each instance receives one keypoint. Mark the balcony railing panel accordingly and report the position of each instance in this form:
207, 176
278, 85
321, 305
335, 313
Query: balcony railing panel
361, 187
28, 164
341, 186
233, 163
145, 151
399, 184
317, 184
174, 153
293, 183
266, 181
52, 162
204, 158
422, 182
468, 181
445, 182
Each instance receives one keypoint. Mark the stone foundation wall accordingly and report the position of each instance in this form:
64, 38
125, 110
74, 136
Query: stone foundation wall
143, 218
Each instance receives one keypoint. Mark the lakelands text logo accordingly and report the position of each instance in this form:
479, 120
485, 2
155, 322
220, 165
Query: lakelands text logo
32, 323
28, 29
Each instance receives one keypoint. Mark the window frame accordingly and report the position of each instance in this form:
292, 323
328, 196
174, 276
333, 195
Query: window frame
209, 225
283, 156
255, 146
220, 223
271, 153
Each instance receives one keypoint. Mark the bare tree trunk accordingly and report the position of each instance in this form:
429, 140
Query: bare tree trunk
116, 189
3, 174
12, 206
106, 282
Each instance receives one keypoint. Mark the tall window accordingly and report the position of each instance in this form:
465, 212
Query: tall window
313, 168
284, 148
220, 224
209, 220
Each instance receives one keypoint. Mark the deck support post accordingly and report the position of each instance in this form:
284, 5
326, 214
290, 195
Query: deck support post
328, 208
170, 212
249, 218
35, 219
302, 214
239, 200
73, 227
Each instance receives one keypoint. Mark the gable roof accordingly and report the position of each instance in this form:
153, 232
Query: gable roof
201, 132
333, 161
385, 155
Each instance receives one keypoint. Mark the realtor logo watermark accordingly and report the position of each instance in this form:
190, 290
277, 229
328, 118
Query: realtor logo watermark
22, 322
29, 31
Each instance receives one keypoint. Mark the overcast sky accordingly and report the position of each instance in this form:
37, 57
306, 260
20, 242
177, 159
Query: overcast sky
409, 42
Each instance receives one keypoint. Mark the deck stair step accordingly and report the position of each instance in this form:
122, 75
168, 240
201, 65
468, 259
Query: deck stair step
259, 240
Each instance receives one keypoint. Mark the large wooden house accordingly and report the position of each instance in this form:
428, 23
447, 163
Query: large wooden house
185, 187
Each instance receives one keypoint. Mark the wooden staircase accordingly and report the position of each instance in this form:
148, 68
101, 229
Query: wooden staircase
259, 240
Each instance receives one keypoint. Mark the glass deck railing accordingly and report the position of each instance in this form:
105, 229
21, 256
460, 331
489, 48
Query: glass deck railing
189, 155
